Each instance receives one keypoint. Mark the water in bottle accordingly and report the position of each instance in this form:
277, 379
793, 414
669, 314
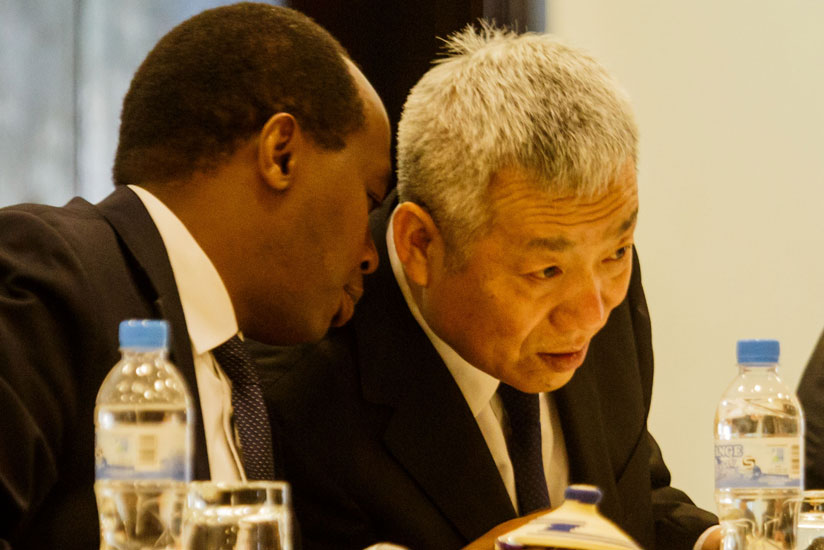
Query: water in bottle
759, 449
143, 443
810, 522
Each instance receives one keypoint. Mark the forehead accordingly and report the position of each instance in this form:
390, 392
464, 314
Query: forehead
520, 210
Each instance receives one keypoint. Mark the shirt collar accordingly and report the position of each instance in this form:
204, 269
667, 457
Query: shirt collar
476, 386
207, 308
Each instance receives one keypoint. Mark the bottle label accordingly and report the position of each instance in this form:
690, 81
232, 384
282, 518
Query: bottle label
770, 462
142, 452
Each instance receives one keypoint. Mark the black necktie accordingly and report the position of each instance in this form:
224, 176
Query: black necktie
251, 419
524, 445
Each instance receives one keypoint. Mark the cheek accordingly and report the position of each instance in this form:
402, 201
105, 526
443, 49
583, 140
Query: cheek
527, 316
616, 289
357, 231
474, 315
348, 235
506, 326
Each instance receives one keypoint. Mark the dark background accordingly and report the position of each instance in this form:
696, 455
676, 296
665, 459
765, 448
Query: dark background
395, 41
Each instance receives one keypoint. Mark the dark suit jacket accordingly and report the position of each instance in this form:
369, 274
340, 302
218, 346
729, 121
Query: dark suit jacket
380, 445
811, 394
68, 276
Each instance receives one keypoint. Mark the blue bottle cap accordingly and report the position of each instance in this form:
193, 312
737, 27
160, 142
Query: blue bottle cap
758, 352
144, 333
586, 494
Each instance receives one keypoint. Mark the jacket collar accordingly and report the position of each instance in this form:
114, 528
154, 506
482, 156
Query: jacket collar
131, 221
431, 425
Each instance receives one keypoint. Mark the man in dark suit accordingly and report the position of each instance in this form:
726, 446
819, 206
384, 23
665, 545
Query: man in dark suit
502, 350
251, 150
811, 395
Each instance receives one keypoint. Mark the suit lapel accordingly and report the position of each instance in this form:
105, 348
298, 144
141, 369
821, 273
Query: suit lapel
431, 432
583, 425
126, 214
435, 437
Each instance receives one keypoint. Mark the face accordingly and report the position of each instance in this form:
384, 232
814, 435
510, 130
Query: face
539, 284
319, 267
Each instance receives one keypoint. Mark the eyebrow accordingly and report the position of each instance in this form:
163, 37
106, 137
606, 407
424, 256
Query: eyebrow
626, 224
559, 244
555, 244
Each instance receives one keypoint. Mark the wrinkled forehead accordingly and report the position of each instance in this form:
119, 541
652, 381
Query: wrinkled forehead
523, 210
514, 182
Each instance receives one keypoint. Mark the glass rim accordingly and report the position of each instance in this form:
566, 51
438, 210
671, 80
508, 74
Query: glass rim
206, 493
242, 485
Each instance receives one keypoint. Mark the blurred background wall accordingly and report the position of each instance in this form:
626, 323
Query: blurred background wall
65, 66
730, 101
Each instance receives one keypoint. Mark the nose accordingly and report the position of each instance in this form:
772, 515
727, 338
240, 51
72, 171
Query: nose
369, 261
583, 308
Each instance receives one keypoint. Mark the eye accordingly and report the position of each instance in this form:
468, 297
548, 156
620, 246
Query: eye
372, 201
620, 254
550, 272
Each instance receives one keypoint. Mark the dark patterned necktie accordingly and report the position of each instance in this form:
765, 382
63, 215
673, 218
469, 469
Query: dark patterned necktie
251, 419
524, 445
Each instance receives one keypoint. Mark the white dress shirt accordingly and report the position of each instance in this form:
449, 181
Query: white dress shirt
210, 320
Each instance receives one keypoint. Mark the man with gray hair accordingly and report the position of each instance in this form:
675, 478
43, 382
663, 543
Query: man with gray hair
502, 351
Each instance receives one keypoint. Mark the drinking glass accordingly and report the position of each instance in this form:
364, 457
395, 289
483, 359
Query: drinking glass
809, 522
140, 515
254, 515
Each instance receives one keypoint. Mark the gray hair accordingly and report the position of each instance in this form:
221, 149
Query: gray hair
497, 100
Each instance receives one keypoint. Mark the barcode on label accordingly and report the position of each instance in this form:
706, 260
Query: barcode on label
147, 451
795, 460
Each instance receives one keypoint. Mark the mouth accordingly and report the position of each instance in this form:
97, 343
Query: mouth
351, 295
565, 361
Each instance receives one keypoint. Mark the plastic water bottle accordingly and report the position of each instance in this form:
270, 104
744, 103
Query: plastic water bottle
759, 449
143, 443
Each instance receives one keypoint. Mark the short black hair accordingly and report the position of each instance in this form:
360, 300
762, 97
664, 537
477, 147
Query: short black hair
215, 79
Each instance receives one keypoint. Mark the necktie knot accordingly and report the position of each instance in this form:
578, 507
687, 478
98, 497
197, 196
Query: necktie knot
236, 362
524, 446
251, 418
522, 408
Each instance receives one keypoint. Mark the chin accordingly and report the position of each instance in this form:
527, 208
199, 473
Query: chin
313, 334
558, 383
290, 335
541, 383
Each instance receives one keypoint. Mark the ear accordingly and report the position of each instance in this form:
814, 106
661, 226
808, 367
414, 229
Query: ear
276, 150
417, 241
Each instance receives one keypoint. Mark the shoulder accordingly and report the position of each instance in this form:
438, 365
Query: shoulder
57, 236
815, 366
316, 402
18, 220
41, 246
60, 218
318, 373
